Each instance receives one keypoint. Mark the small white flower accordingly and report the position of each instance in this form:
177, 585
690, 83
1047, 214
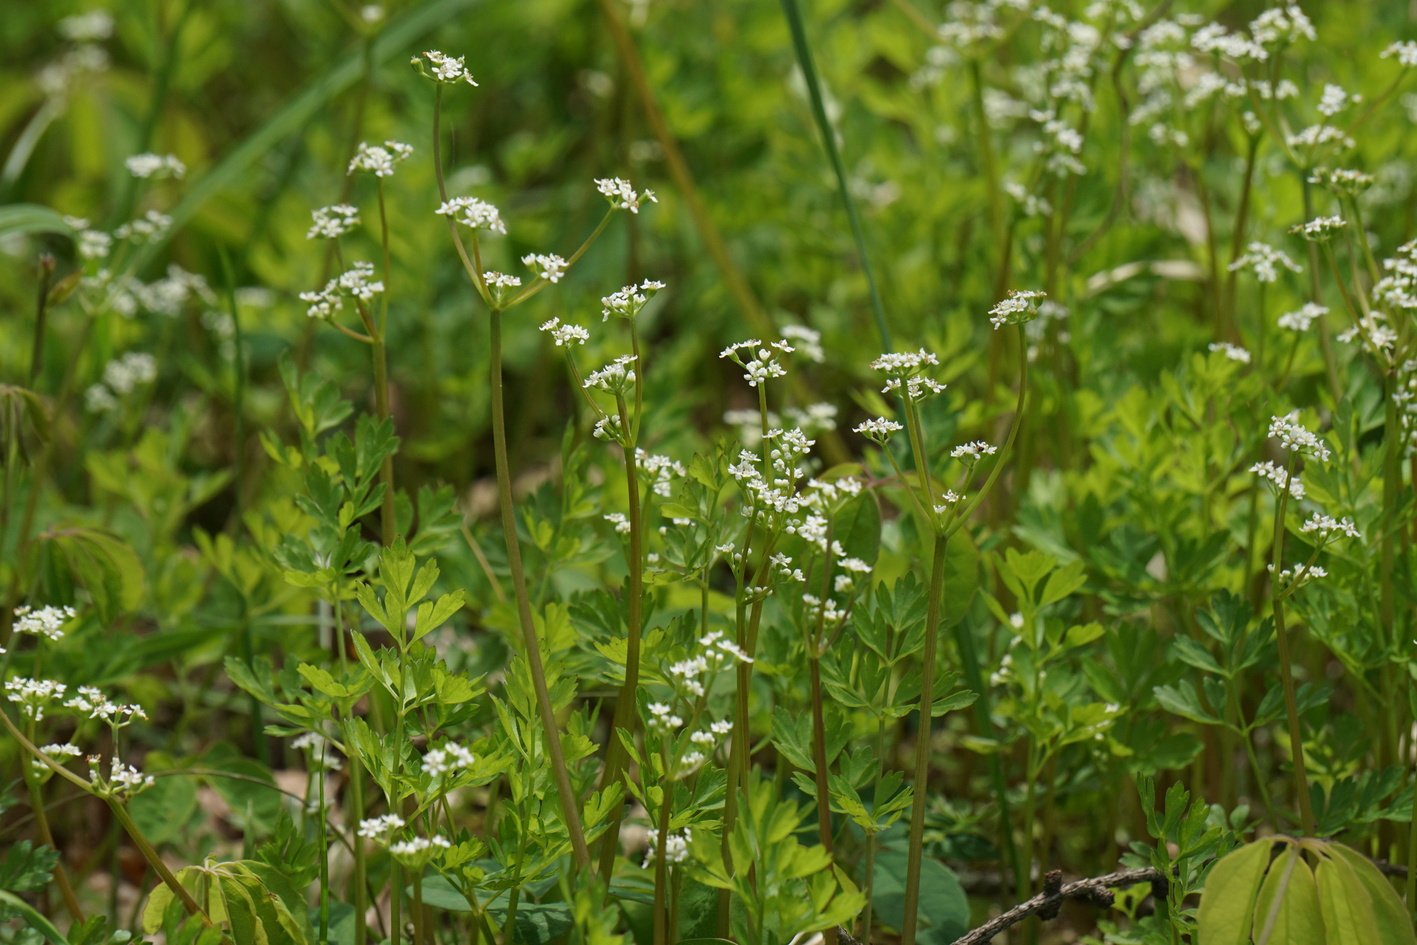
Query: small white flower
628, 301
1296, 438
379, 161
1406, 53
446, 69
618, 519
880, 429
548, 267
1021, 306
971, 453
146, 166
617, 377
376, 828
1320, 229
1264, 261
1279, 479
148, 228
331, 222
622, 196
1233, 352
1301, 320
48, 621
565, 335
474, 213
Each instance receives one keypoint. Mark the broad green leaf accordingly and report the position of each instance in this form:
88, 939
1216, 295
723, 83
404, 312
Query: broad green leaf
19, 219
158, 901
27, 868
1228, 903
1392, 918
163, 810
1346, 907
944, 909
1287, 910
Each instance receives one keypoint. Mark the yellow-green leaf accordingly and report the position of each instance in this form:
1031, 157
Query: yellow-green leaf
1228, 902
1346, 906
1287, 910
1389, 914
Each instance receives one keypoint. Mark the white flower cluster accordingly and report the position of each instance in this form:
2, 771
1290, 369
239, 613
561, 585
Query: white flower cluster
1295, 438
1289, 579
628, 301
1406, 53
357, 283
1021, 306
499, 283
33, 695
92, 27
622, 196
319, 748
549, 267
762, 365
121, 377
1328, 527
1264, 261
1344, 181
1282, 25
1320, 229
1233, 352
148, 228
617, 377
662, 717
146, 166
377, 828
813, 419
618, 519
331, 222
47, 621
905, 372
445, 69
949, 499
565, 335
99, 706
379, 161
973, 452
90, 243
1060, 145
1301, 319
806, 341
1279, 478
418, 845
659, 471
879, 430
451, 757
1313, 137
473, 213
124, 780
676, 849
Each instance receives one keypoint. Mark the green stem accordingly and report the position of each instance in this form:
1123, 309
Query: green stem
662, 931
387, 524
626, 717
570, 806
356, 790
916, 850
1281, 635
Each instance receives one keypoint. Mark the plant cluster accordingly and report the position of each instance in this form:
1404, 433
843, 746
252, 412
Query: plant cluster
454, 612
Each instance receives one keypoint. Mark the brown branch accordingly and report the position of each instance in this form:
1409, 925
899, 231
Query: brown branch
1047, 903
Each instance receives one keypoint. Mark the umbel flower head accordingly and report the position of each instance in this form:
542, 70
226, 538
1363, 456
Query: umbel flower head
628, 302
1021, 306
445, 70
474, 213
621, 195
904, 370
380, 161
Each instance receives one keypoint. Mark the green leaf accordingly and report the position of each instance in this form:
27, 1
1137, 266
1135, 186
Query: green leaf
1228, 902
1346, 907
944, 908
1391, 917
163, 810
36, 921
1287, 910
433, 614
19, 219
961, 577
858, 527
27, 868
158, 901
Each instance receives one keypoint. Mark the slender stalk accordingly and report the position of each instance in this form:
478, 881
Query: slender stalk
819, 762
356, 792
626, 717
1281, 635
41, 826
387, 523
41, 316
1325, 342
916, 848
663, 931
570, 805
